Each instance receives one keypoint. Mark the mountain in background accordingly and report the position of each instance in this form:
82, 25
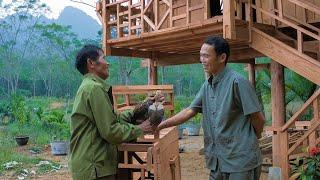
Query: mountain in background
82, 24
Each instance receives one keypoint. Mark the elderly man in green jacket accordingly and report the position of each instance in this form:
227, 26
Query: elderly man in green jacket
96, 128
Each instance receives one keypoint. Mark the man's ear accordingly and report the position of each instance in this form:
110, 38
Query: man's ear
223, 57
90, 63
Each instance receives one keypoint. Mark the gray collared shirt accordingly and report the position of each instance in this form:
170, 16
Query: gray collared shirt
226, 101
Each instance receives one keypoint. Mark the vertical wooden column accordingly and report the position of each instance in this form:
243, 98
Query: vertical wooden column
279, 140
152, 70
313, 136
106, 35
229, 24
252, 73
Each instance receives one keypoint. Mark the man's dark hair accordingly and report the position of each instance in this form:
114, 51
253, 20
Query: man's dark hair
88, 51
220, 45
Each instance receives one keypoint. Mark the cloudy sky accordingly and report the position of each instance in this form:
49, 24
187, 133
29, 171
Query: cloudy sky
57, 6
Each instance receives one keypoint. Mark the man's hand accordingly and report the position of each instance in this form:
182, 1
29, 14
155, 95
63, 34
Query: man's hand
162, 125
146, 127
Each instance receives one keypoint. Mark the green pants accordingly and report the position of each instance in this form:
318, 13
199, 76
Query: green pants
253, 174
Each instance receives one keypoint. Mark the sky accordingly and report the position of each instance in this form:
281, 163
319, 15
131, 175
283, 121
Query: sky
57, 6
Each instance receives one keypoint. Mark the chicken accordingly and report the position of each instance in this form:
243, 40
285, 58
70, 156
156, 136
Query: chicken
151, 108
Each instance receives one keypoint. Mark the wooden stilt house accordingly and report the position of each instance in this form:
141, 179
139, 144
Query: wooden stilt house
171, 32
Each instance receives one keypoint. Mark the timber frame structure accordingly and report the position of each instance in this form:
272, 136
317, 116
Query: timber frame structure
171, 32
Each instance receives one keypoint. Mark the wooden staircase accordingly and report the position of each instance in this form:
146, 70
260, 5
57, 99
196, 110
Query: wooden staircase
286, 55
293, 43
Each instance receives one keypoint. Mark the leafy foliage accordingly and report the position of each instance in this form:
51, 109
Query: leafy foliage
308, 168
19, 109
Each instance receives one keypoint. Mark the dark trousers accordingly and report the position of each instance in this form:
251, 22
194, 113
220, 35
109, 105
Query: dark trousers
253, 174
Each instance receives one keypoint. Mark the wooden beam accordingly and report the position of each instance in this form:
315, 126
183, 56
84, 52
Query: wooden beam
162, 35
278, 115
130, 53
245, 55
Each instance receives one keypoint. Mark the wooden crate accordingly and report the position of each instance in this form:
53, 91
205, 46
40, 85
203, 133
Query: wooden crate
150, 158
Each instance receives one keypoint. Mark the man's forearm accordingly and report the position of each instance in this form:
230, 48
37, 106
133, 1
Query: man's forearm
177, 119
257, 120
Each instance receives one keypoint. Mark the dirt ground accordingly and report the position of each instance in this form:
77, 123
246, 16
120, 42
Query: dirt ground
192, 163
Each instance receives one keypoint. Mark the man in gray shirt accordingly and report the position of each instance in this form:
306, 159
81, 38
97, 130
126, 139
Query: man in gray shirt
232, 117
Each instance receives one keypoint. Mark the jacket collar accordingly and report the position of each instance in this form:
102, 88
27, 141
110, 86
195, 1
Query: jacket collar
97, 79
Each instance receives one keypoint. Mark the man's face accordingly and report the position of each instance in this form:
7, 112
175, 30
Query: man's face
99, 67
210, 61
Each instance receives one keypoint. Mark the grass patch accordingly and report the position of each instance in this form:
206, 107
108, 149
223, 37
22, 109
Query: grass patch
8, 154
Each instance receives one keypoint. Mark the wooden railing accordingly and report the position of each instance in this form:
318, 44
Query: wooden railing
310, 138
281, 19
132, 18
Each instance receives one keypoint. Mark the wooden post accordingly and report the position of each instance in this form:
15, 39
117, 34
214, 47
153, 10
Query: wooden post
229, 25
152, 71
279, 140
313, 137
252, 73
106, 35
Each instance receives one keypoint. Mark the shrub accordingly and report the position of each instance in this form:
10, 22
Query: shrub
310, 166
19, 109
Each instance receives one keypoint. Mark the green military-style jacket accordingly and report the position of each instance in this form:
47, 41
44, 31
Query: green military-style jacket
96, 130
230, 143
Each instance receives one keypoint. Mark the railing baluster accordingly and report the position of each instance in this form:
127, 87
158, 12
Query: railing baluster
280, 8
171, 14
118, 21
142, 15
239, 9
300, 41
129, 17
187, 12
249, 17
206, 9
156, 13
